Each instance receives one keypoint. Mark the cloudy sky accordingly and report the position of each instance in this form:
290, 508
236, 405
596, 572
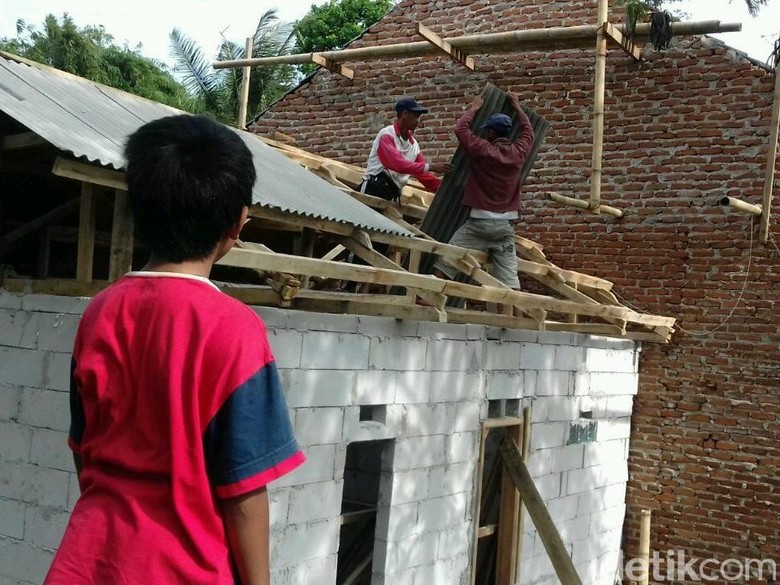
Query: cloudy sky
148, 22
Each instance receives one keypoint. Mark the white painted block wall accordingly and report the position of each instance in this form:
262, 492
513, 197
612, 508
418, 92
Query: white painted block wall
436, 380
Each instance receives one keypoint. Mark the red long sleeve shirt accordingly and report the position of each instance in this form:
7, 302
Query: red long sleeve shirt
493, 183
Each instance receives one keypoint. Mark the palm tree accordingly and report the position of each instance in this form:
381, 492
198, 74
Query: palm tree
216, 91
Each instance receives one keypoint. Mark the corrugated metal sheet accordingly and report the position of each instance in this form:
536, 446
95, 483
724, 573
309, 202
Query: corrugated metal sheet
92, 122
447, 213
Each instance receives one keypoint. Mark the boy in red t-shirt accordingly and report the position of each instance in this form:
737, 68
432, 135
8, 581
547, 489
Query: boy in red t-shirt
178, 419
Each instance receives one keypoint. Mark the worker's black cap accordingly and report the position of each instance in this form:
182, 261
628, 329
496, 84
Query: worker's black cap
408, 104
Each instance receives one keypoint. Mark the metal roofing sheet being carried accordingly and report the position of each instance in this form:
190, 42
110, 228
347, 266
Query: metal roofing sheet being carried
92, 121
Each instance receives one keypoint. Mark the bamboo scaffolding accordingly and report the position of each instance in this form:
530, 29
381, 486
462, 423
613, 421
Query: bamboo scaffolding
585, 205
740, 205
644, 547
598, 107
579, 37
247, 72
769, 177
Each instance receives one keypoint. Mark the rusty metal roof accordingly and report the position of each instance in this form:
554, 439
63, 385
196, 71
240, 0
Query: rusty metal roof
92, 121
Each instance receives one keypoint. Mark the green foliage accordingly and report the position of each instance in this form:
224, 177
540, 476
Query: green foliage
90, 52
216, 91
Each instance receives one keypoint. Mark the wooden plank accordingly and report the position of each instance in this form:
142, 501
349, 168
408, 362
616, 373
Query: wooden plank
527, 418
478, 500
623, 41
334, 253
246, 73
509, 515
771, 161
551, 538
71, 169
121, 259
414, 211
332, 66
58, 213
454, 53
377, 309
488, 530
55, 286
86, 245
603, 329
22, 140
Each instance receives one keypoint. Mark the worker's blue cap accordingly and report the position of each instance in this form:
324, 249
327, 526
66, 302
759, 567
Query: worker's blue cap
501, 123
408, 104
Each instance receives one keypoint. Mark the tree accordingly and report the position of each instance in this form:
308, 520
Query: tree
216, 91
335, 24
90, 52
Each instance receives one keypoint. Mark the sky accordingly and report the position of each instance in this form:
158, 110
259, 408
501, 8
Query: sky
148, 22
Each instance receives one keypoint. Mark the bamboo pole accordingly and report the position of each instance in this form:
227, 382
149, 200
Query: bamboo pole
598, 107
644, 547
585, 205
740, 205
247, 72
769, 178
512, 41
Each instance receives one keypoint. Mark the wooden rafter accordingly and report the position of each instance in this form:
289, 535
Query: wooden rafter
332, 66
454, 53
614, 33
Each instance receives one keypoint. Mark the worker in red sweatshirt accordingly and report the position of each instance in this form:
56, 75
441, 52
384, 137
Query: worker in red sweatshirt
492, 189
396, 157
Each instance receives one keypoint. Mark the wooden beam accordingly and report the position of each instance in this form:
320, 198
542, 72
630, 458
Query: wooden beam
585, 205
121, 260
332, 66
86, 245
22, 140
548, 533
514, 41
527, 417
509, 517
10, 239
246, 73
55, 286
454, 53
771, 161
623, 41
71, 169
740, 205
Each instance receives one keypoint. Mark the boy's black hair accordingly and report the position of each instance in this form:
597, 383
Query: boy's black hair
188, 178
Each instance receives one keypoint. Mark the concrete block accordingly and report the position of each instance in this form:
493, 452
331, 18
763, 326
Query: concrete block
540, 462
619, 406
19, 328
56, 375
586, 550
315, 501
461, 447
415, 550
610, 360
50, 449
599, 499
440, 513
548, 435
318, 426
11, 519
413, 387
54, 304
297, 543
456, 386
374, 387
560, 408
466, 416
567, 458
10, 400
595, 404
582, 383
535, 356
569, 358
321, 570
387, 327
606, 452
549, 486
452, 543
74, 491
319, 467
15, 442
44, 525
21, 367
399, 522
408, 486
426, 419
537, 570
57, 331
607, 520
449, 356
614, 383
310, 388
432, 330
397, 353
287, 347
518, 336
554, 383
452, 479
581, 480
334, 323
273, 317
335, 351
503, 385
419, 452
278, 505
10, 300
613, 429
34, 484
563, 509
449, 570
43, 408
24, 561
574, 529
502, 356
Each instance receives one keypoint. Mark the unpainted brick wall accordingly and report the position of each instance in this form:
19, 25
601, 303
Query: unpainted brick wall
683, 129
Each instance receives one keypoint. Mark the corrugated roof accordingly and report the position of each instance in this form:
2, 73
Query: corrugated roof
92, 121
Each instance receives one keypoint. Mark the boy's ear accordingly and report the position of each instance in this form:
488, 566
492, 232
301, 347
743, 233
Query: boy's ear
234, 232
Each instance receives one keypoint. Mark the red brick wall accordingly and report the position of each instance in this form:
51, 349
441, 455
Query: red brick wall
682, 130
